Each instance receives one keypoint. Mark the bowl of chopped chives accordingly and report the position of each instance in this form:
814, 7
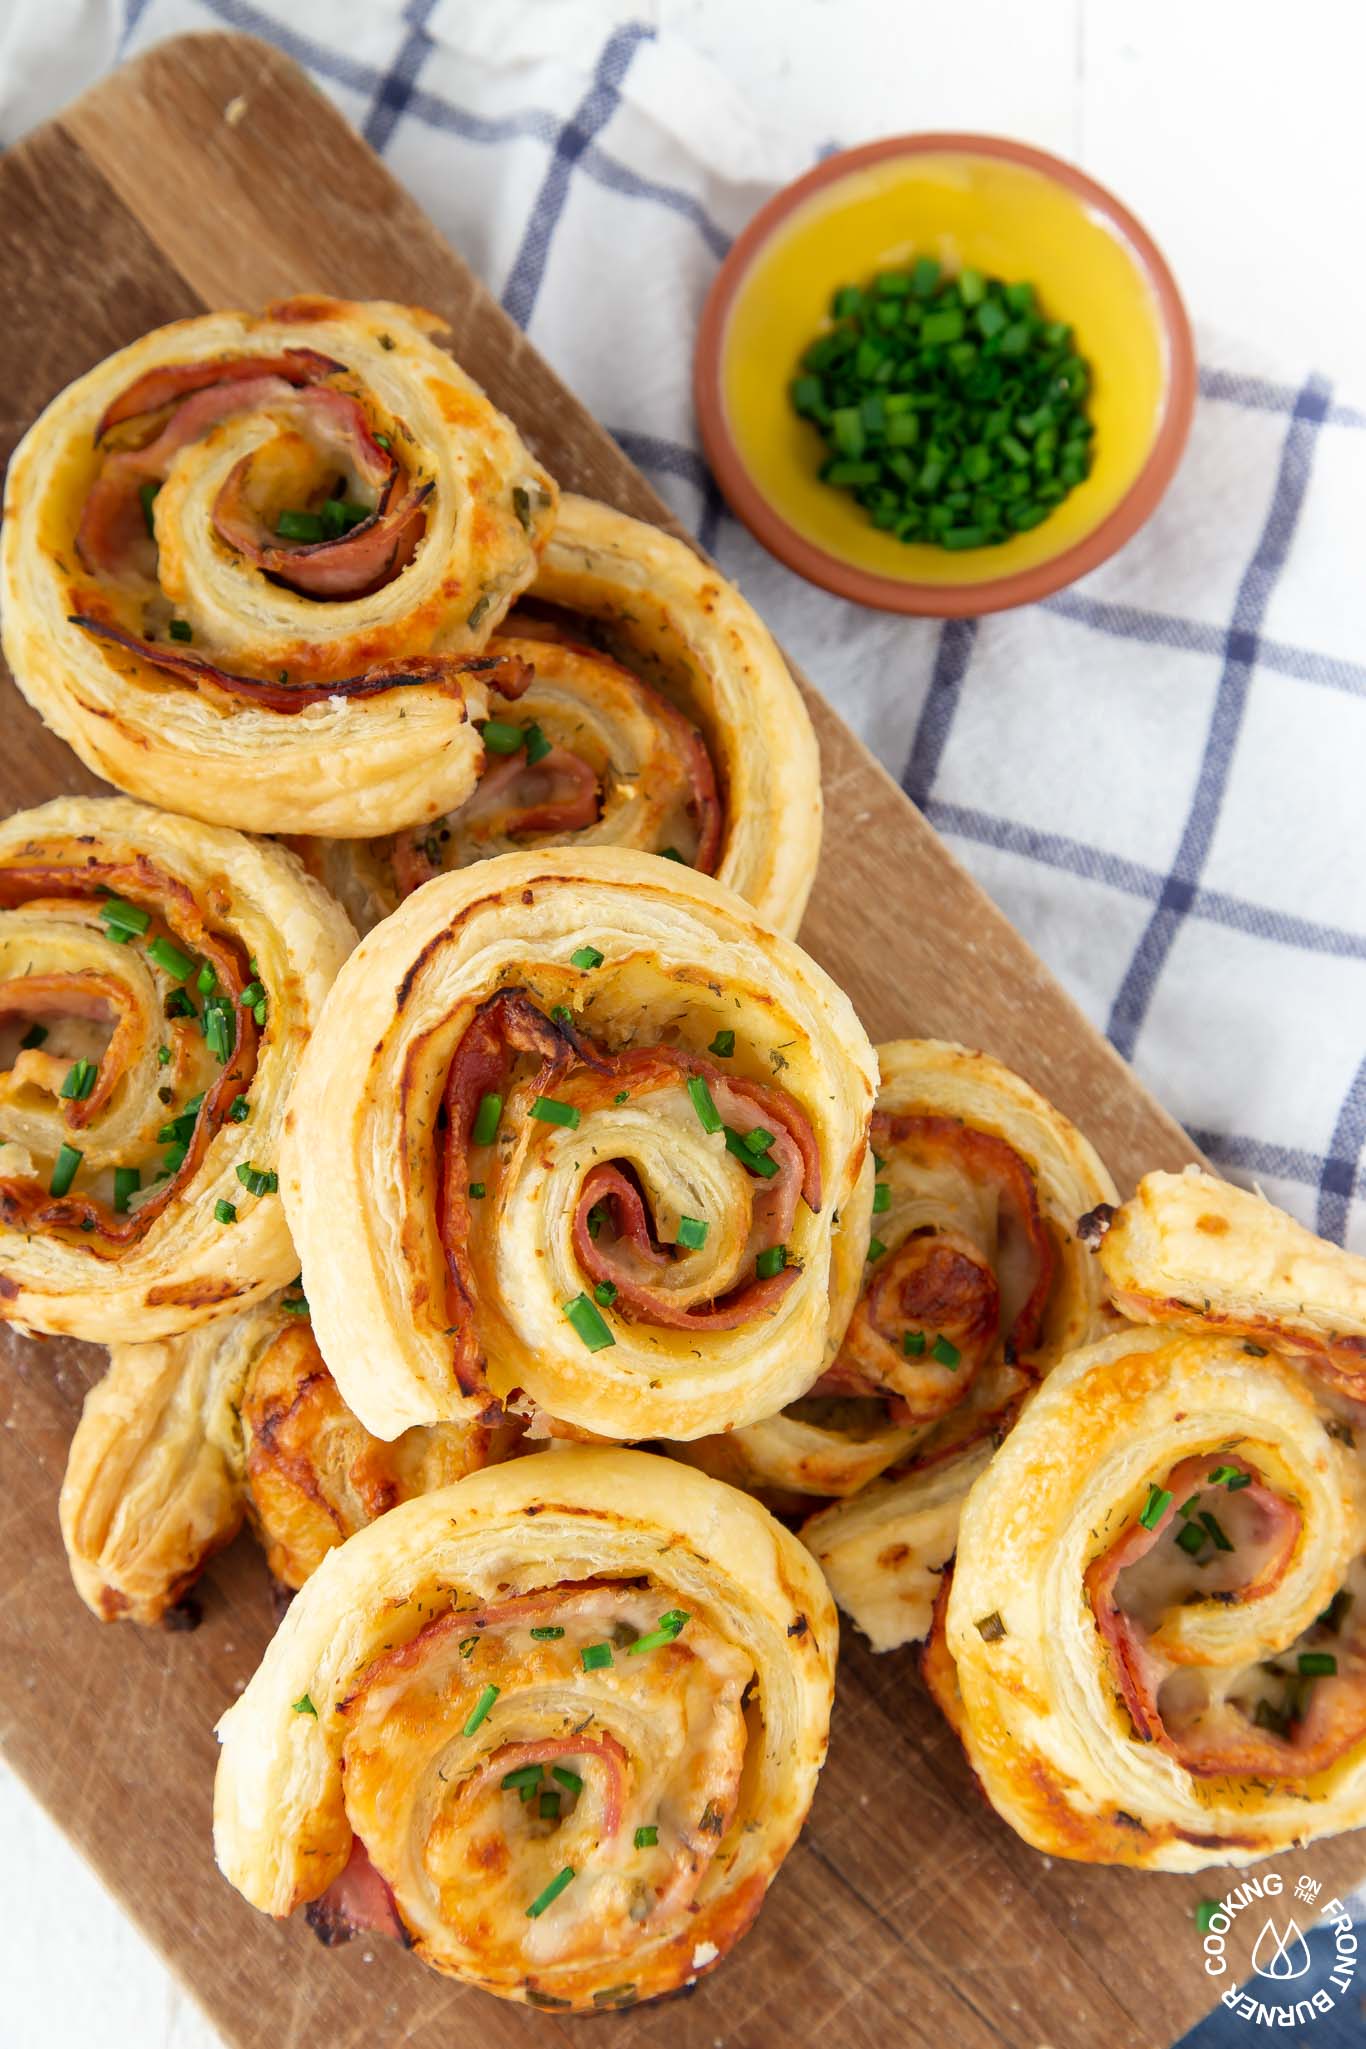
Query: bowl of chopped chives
944, 374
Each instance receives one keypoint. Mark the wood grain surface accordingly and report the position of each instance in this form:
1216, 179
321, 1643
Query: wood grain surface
907, 1914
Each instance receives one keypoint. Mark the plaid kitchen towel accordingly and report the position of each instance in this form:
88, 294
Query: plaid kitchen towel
1156, 773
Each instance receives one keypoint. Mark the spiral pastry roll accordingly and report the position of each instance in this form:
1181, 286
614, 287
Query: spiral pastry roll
1192, 1250
556, 1727
250, 564
158, 979
975, 1283
580, 1135
660, 716
184, 1438
1158, 1611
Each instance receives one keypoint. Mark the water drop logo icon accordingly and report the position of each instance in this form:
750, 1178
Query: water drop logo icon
1281, 1956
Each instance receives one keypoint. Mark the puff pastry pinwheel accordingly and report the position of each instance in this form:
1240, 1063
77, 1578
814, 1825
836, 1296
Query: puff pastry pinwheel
1157, 1618
579, 1134
660, 716
1192, 1250
250, 563
975, 1284
184, 1438
556, 1727
158, 979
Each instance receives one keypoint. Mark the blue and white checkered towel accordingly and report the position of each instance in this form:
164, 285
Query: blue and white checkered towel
1157, 774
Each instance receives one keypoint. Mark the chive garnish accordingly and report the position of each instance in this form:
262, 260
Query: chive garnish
561, 1013
537, 746
588, 1323
127, 1181
1317, 1664
551, 1111
751, 1156
180, 629
226, 1212
586, 957
207, 978
692, 1233
549, 1805
912, 1343
124, 920
723, 1045
250, 996
605, 1294
882, 1198
547, 1632
295, 1305
480, 1709
525, 1775
571, 1781
1191, 1538
257, 1180
1334, 1614
1221, 1542
240, 1111
708, 1116
1155, 1507
876, 1248
486, 1119
595, 1656
34, 1036
80, 1079
551, 1893
770, 1261
64, 1170
1230, 1477
947, 1354
622, 1096
647, 1837
476, 1191
304, 1706
672, 854
670, 1626
296, 525
146, 494
169, 957
220, 1028
501, 738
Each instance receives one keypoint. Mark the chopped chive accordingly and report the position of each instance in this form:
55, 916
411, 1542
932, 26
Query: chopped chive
295, 1305
501, 738
1229, 1477
124, 919
127, 1181
178, 1004
226, 1212
551, 1893
257, 1180
1221, 1542
595, 1656
723, 1045
586, 957
297, 525
180, 629
486, 1119
480, 1709
670, 1626
708, 1116
946, 1353
176, 964
597, 1217
164, 1056
304, 1706
240, 1111
1155, 1507
206, 979
34, 1036
589, 1324
562, 1014
64, 1170
80, 1079
525, 1775
882, 1198
1191, 1538
250, 996
476, 1191
912, 1343
876, 1248
770, 1261
692, 1232
551, 1111
605, 1293
1317, 1664
647, 1837
259, 1011
537, 746
146, 494
756, 1159
571, 1781
547, 1632
672, 854
549, 1805
220, 1028
622, 1096
1334, 1614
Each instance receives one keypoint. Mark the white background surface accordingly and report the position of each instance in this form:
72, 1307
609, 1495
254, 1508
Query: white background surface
1233, 128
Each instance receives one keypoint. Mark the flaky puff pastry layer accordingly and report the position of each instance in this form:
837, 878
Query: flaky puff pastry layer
158, 981
1191, 1250
929, 1425
644, 656
1132, 1685
327, 386
410, 1278
440, 1653
183, 1439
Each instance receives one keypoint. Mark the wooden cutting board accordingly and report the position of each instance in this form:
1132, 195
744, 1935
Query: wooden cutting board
907, 1914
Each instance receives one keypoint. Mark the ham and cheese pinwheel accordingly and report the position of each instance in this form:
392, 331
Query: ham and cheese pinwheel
158, 980
579, 1133
975, 1284
660, 716
250, 564
555, 1727
184, 1438
1154, 1644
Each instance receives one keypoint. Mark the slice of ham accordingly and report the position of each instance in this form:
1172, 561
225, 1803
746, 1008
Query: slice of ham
934, 1285
1223, 1741
504, 673
358, 1902
173, 382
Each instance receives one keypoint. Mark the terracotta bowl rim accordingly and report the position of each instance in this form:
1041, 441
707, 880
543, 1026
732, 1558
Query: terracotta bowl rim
903, 594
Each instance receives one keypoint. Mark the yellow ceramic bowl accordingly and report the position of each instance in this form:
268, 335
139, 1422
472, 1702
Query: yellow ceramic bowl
971, 200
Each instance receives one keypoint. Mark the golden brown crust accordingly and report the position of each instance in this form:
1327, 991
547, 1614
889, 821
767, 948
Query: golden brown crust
689, 1768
